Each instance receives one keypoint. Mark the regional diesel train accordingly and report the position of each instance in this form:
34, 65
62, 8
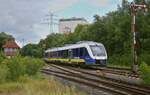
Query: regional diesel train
83, 52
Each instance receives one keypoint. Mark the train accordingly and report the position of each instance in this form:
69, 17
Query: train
83, 52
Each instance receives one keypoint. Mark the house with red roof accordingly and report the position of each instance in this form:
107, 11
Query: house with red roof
11, 48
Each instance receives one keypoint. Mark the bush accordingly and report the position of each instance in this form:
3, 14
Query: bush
2, 57
145, 73
16, 68
145, 58
20, 66
4, 70
33, 65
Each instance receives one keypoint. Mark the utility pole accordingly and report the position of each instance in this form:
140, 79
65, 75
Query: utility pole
51, 21
136, 44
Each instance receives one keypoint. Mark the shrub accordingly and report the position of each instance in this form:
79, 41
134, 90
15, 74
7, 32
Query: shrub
145, 58
16, 68
2, 57
145, 73
20, 66
4, 70
33, 65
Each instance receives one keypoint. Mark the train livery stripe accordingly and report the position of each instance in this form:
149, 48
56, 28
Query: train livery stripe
67, 60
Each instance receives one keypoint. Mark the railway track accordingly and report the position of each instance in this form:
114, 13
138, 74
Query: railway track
118, 71
95, 81
111, 70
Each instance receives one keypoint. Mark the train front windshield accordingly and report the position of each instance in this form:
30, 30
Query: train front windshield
98, 50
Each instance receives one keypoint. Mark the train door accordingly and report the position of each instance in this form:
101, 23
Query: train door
70, 53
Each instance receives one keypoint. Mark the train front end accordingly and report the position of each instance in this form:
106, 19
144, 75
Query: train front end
99, 54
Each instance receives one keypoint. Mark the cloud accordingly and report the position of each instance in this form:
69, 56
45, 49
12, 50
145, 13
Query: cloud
100, 3
22, 18
17, 17
59, 5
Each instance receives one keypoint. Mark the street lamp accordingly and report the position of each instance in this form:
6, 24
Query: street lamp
136, 45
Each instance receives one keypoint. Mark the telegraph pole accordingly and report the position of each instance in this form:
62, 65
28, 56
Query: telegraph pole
136, 44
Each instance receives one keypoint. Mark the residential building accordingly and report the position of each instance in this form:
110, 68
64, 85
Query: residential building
69, 25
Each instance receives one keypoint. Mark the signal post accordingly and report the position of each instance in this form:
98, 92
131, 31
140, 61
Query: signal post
136, 44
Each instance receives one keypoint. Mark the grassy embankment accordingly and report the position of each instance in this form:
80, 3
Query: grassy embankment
20, 76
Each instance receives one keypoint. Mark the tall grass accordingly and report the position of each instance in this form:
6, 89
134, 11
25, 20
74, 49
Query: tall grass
29, 86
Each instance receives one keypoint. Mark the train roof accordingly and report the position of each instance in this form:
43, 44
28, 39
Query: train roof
73, 46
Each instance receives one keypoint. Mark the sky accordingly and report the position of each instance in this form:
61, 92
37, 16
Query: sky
25, 19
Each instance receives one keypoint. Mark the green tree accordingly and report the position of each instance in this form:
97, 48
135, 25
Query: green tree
4, 38
32, 50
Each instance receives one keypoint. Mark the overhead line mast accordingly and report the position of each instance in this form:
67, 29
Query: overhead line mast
51, 21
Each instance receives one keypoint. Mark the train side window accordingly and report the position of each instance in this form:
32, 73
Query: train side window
46, 55
78, 52
52, 54
65, 53
75, 52
83, 52
49, 54
59, 53
70, 53
86, 52
55, 54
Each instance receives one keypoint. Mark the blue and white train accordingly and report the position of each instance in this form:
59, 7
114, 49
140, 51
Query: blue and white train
83, 52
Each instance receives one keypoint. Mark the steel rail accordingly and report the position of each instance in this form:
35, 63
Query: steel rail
90, 83
126, 87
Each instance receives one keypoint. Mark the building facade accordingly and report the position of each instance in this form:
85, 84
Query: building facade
69, 25
11, 48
